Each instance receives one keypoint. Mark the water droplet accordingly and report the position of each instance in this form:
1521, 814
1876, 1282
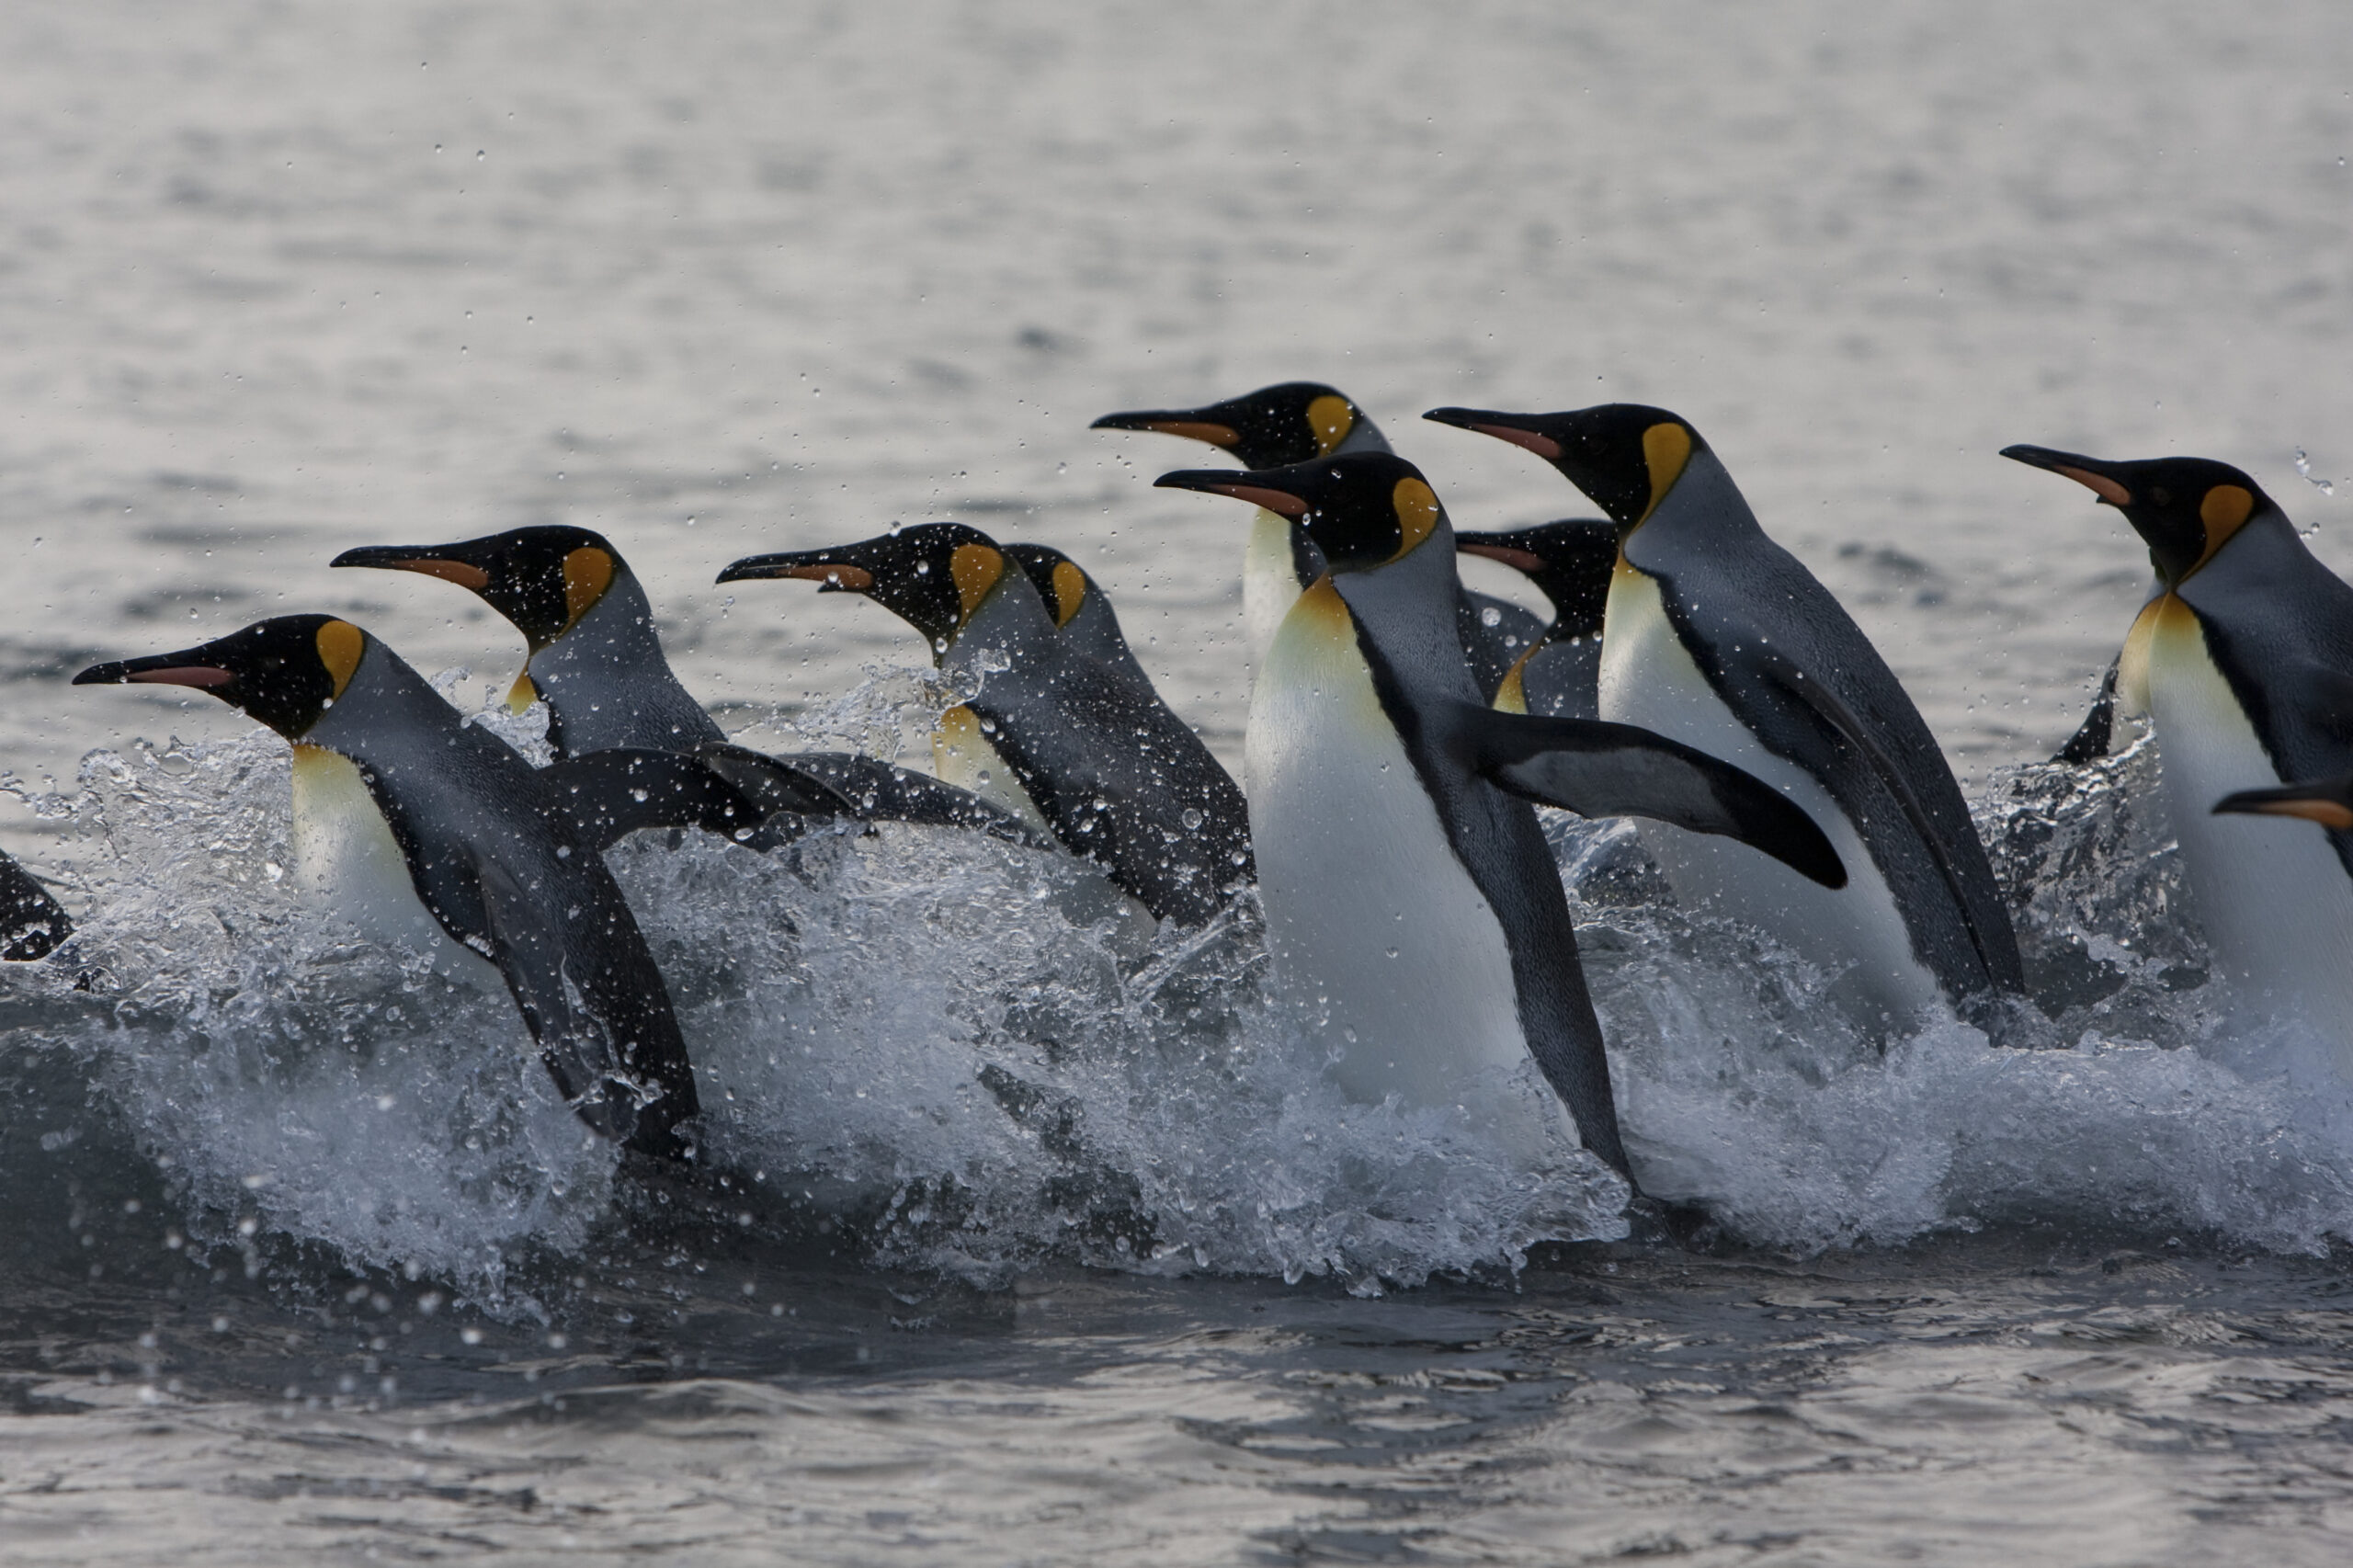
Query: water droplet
1491, 616
1189, 817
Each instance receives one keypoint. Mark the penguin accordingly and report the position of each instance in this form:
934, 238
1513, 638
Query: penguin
1119, 779
1408, 890
1717, 636
1292, 422
1081, 611
31, 923
2243, 667
596, 661
1570, 562
411, 817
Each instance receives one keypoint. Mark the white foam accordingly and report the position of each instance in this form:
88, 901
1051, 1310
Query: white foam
983, 1046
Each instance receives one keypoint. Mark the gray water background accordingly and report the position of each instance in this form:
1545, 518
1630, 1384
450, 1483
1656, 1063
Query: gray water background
275, 280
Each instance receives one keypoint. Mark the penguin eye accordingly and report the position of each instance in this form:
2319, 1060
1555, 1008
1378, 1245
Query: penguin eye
2160, 495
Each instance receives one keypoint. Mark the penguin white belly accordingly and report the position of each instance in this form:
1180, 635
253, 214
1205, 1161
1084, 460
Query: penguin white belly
963, 756
1648, 677
1269, 583
1375, 926
2274, 899
346, 856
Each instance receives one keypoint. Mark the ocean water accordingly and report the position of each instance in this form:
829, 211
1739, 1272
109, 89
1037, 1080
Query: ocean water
1029, 1233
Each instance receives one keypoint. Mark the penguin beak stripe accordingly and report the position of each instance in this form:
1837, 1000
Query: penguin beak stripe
2098, 484
838, 578
202, 675
458, 571
1542, 445
2328, 813
1282, 502
1194, 430
1517, 559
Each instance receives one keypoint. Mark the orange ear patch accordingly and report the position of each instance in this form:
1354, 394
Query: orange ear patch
1666, 447
1070, 591
587, 572
340, 645
1416, 507
1331, 418
974, 568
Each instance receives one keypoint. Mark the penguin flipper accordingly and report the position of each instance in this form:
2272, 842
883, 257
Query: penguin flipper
2091, 740
581, 975
606, 795
1598, 769
1987, 922
874, 790
31, 923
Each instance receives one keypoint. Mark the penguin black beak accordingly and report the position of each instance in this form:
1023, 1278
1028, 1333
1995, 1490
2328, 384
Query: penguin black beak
2086, 472
2328, 802
158, 669
1192, 424
1250, 487
1517, 428
823, 567
433, 561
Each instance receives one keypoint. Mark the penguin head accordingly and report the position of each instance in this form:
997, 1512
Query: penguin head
1571, 561
1292, 422
933, 576
2186, 508
286, 672
1059, 581
1362, 509
1626, 456
543, 579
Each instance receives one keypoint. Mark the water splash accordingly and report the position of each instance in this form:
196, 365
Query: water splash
983, 1057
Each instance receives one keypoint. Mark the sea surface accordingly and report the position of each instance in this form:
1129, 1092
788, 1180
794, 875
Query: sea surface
1027, 1233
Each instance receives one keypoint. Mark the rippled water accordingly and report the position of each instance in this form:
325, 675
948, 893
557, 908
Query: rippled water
1040, 1237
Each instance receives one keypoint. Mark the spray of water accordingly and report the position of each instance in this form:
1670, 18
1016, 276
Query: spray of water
984, 1056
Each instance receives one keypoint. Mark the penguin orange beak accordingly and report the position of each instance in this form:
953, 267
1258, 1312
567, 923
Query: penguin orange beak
2327, 802
1516, 429
1185, 422
1517, 559
831, 576
2086, 472
159, 669
1247, 488
426, 558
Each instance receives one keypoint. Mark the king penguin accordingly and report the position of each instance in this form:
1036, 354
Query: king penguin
1410, 897
1120, 778
1082, 611
1718, 637
418, 823
2243, 666
596, 661
32, 924
1570, 562
1293, 422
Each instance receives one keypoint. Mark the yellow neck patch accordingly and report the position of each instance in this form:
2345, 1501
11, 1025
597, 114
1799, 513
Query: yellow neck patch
2224, 511
522, 694
1666, 449
1416, 507
974, 568
1331, 418
587, 572
1070, 592
340, 645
